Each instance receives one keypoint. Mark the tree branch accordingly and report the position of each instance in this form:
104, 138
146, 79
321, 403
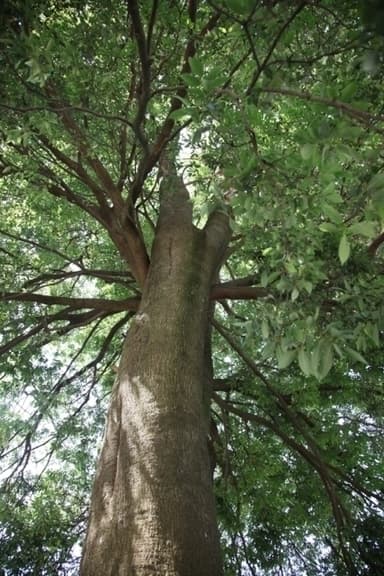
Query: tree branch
110, 276
375, 244
164, 135
276, 40
141, 42
73, 303
77, 169
361, 115
92, 160
221, 292
37, 245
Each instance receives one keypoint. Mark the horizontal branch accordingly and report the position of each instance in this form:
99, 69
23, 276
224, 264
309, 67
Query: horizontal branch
111, 276
68, 108
73, 303
223, 292
219, 292
361, 115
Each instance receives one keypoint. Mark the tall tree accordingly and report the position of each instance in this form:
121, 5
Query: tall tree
192, 204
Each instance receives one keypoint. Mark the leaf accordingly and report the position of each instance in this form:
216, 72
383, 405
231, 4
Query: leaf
348, 91
290, 268
294, 294
325, 359
197, 66
304, 362
378, 201
372, 331
182, 114
366, 228
192, 80
306, 151
284, 357
376, 182
338, 350
315, 359
344, 249
213, 80
265, 329
328, 227
332, 213
308, 286
356, 355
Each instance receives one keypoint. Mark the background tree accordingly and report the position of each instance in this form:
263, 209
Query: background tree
134, 135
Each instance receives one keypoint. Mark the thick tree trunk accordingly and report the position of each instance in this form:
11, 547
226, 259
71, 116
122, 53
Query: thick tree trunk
152, 510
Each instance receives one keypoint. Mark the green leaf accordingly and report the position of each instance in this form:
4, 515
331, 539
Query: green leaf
294, 294
344, 249
306, 151
372, 331
325, 352
304, 361
192, 80
213, 80
265, 329
378, 201
365, 228
197, 66
284, 357
348, 91
332, 213
182, 114
376, 182
290, 268
308, 286
355, 355
328, 227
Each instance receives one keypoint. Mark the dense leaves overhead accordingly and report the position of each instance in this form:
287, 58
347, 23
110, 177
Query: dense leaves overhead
273, 111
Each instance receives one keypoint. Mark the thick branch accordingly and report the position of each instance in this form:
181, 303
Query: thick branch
120, 227
221, 292
73, 303
81, 141
375, 244
74, 321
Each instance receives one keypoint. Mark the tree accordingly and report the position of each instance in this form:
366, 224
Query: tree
192, 211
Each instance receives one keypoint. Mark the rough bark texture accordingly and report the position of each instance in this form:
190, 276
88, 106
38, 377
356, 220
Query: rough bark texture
152, 509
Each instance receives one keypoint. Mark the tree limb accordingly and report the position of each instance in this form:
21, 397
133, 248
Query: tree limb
361, 115
73, 303
276, 40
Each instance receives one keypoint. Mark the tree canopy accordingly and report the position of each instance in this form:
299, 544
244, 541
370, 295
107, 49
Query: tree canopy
273, 112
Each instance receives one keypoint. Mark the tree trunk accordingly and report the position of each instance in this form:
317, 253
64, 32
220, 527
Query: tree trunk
152, 509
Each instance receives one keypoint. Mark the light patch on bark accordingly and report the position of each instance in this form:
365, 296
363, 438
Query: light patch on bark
141, 318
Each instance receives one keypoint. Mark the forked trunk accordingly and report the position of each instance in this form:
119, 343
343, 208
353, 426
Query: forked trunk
152, 510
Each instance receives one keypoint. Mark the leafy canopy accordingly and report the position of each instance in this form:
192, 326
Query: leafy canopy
274, 110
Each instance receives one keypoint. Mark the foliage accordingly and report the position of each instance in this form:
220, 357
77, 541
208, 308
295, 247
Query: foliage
273, 109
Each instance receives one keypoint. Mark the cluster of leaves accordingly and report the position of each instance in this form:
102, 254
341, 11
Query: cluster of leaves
274, 109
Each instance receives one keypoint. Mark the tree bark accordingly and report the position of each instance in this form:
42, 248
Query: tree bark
152, 510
